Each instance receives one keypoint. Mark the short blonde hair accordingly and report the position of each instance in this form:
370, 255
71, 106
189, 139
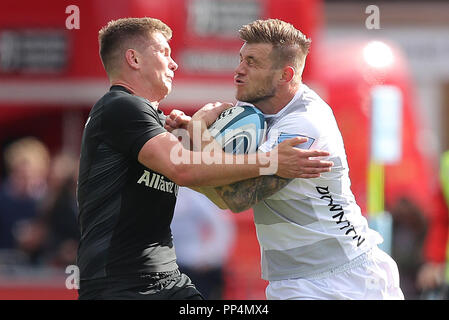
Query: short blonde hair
122, 34
289, 44
28, 150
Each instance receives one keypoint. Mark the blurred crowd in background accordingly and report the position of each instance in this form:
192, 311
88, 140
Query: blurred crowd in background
38, 209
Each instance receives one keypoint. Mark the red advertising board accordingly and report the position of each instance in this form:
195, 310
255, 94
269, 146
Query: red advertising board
39, 51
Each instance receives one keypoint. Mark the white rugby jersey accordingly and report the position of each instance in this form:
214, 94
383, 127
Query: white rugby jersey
311, 225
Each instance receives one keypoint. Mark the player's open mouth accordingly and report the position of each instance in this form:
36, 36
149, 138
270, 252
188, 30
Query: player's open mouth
238, 81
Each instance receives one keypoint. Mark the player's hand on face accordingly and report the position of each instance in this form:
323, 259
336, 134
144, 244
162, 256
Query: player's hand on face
296, 163
176, 120
210, 112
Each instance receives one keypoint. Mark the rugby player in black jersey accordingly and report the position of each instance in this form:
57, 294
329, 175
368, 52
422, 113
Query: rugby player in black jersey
128, 184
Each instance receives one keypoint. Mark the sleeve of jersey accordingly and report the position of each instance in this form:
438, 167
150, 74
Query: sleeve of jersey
290, 127
128, 124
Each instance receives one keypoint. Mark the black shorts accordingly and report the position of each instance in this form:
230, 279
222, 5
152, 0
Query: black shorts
171, 285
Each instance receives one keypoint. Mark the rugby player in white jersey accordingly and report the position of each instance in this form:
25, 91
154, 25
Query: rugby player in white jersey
314, 241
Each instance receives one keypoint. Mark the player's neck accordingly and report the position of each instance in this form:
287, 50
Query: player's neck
124, 84
135, 90
276, 103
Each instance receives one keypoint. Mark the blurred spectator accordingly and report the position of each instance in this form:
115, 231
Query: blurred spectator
27, 164
433, 278
203, 236
409, 232
54, 234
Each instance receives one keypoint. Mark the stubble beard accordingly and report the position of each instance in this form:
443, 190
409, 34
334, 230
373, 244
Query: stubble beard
264, 93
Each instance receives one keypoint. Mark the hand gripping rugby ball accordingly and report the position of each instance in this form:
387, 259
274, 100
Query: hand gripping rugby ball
239, 129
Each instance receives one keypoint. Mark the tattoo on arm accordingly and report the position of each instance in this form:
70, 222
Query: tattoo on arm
244, 194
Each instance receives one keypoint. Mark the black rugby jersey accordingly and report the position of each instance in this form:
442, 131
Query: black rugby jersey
125, 209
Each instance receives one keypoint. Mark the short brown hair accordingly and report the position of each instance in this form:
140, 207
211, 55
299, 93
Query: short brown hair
289, 44
119, 35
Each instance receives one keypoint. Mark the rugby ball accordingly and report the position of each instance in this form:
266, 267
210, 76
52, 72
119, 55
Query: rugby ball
239, 129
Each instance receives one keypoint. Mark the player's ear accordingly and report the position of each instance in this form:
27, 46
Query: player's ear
288, 73
132, 58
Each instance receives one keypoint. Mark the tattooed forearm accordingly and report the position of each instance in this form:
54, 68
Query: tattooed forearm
244, 194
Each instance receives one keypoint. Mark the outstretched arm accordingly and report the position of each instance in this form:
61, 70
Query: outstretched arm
244, 194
